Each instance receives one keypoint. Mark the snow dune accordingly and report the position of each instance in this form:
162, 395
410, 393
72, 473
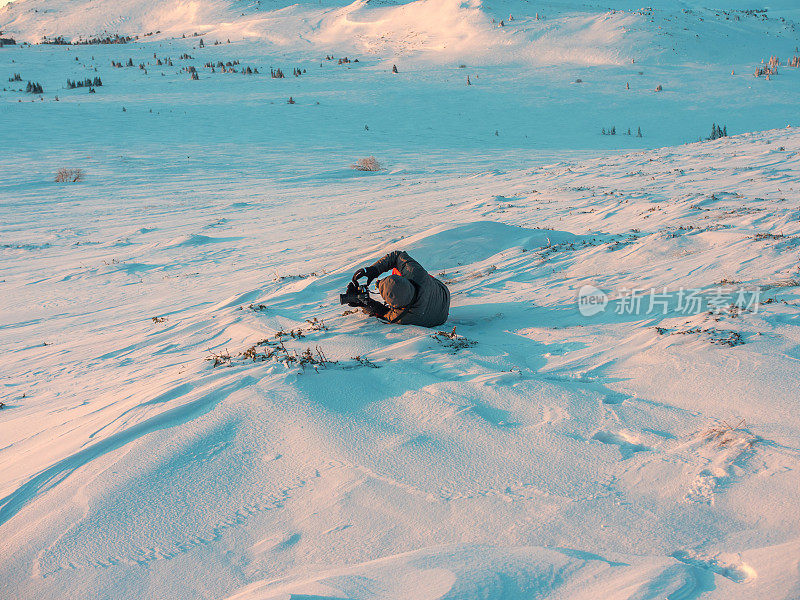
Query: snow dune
489, 572
451, 246
538, 451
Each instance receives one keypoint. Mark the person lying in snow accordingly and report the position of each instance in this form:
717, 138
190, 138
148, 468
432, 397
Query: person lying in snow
412, 295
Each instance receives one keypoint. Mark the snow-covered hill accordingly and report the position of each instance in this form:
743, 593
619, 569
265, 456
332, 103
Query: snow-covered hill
610, 410
537, 451
545, 33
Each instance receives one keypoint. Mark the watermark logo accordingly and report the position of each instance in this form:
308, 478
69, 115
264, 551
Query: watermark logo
648, 302
591, 300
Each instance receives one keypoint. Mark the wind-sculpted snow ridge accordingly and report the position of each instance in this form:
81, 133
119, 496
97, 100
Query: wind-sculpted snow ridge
190, 412
474, 571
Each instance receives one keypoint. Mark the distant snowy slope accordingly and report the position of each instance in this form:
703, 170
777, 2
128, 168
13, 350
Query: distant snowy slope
30, 20
445, 30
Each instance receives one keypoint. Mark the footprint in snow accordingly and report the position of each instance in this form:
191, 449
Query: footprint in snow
288, 543
731, 567
627, 443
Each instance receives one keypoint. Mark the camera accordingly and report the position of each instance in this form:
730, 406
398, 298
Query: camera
356, 295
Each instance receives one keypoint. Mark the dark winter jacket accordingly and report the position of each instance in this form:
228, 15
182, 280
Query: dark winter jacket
426, 302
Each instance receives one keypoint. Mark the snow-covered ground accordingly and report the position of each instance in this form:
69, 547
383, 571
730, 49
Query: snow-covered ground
611, 409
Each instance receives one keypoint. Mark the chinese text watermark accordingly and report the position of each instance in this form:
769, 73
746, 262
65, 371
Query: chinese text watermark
655, 301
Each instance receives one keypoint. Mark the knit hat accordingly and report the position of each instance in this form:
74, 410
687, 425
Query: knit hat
396, 290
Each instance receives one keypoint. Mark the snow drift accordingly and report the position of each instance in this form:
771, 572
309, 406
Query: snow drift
533, 452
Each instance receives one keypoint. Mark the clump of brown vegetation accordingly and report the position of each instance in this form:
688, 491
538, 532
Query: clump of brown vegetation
69, 175
724, 434
223, 358
314, 359
367, 164
315, 324
273, 349
768, 236
299, 276
718, 337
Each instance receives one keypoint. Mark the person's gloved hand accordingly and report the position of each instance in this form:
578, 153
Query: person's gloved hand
375, 309
364, 273
369, 311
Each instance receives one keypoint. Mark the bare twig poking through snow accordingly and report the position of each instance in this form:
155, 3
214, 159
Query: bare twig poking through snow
299, 276
718, 337
362, 360
316, 359
316, 324
65, 175
367, 164
223, 359
452, 340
